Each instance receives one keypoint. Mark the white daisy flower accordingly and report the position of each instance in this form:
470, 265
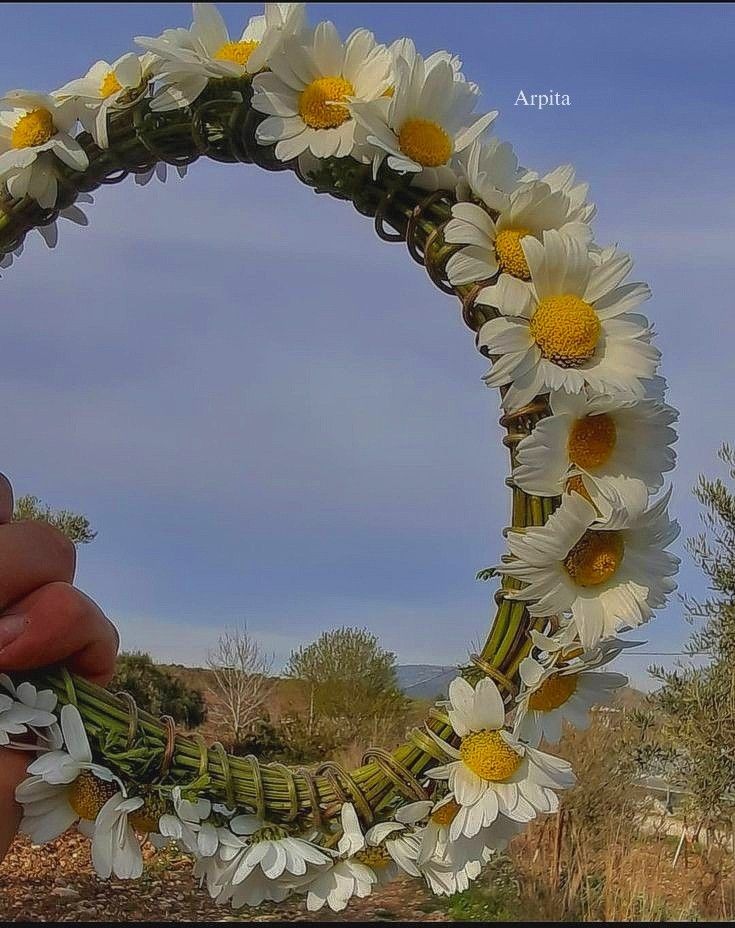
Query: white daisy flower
446, 875
445, 878
607, 579
33, 711
35, 127
210, 870
564, 645
492, 772
436, 842
50, 233
552, 695
489, 171
386, 850
115, 846
172, 48
255, 889
405, 50
65, 786
493, 246
427, 122
38, 181
24, 709
49, 809
14, 718
337, 884
28, 695
348, 875
106, 88
618, 449
64, 766
569, 327
310, 87
449, 864
189, 825
373, 858
562, 179
257, 862
185, 60
562, 640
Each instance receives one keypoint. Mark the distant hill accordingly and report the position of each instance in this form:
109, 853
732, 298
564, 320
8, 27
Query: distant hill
419, 681
425, 681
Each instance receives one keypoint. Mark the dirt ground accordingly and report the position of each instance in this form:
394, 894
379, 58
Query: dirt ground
57, 883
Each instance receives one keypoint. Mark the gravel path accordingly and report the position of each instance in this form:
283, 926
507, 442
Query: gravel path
56, 883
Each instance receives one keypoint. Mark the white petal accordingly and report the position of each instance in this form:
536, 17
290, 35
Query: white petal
488, 711
75, 737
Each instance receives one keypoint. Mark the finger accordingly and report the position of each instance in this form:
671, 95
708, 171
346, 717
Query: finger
59, 624
6, 500
32, 554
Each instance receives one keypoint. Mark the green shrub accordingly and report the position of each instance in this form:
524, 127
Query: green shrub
496, 898
157, 690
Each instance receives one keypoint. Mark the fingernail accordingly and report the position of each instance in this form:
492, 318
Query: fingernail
11, 626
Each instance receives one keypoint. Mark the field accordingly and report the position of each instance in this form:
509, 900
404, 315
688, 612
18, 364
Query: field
606, 857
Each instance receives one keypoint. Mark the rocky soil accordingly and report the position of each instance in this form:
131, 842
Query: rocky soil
57, 883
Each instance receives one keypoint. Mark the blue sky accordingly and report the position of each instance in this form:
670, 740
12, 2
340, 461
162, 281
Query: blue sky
272, 416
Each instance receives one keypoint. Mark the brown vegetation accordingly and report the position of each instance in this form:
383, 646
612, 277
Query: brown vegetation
593, 862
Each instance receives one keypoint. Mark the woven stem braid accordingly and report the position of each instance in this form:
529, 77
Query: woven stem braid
221, 125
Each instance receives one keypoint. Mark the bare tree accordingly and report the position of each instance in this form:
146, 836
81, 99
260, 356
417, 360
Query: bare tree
241, 681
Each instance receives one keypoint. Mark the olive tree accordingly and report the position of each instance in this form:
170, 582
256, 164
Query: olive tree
691, 734
75, 526
349, 676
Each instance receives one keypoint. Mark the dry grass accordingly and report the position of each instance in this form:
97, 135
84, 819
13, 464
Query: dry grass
590, 863
629, 880
593, 861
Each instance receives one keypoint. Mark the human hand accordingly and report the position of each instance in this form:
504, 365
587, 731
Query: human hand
44, 620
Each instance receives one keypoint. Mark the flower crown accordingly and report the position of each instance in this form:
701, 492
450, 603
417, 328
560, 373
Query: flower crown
589, 433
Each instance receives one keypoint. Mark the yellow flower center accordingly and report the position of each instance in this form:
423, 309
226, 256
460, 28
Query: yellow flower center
145, 819
510, 254
35, 127
553, 693
110, 85
425, 142
268, 833
236, 52
389, 91
319, 102
595, 558
87, 795
566, 329
489, 756
445, 814
575, 484
377, 858
592, 441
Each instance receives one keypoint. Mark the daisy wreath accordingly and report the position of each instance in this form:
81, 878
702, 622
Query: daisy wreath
399, 135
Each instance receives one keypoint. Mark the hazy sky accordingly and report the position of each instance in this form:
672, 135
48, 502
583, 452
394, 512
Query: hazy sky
272, 416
